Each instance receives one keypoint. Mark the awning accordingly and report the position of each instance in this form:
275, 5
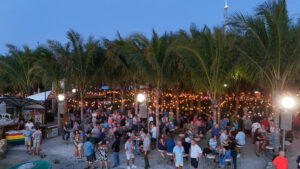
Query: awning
21, 103
40, 96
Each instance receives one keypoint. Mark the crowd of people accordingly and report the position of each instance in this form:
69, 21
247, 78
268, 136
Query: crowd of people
105, 132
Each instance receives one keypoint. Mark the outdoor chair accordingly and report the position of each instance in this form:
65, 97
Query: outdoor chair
269, 151
210, 159
240, 148
170, 156
228, 163
161, 153
181, 135
287, 145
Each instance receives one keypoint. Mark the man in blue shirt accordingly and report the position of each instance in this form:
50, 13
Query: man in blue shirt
170, 144
215, 130
89, 153
102, 134
240, 138
178, 155
223, 123
213, 143
27, 134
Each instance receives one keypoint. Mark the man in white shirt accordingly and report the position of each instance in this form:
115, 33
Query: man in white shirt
196, 153
94, 118
240, 138
29, 124
153, 135
223, 136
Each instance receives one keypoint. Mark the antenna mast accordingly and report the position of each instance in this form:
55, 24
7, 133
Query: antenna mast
225, 11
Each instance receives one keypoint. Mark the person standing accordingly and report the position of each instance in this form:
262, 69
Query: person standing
102, 152
178, 155
170, 144
280, 162
215, 131
89, 153
153, 136
297, 165
29, 124
116, 149
234, 151
196, 153
36, 137
146, 147
247, 126
27, 134
95, 134
81, 143
129, 152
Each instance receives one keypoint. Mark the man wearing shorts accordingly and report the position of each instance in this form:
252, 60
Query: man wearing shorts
196, 153
89, 153
27, 135
81, 143
129, 152
178, 155
36, 137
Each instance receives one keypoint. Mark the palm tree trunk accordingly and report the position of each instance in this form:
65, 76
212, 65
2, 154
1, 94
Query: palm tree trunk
277, 129
177, 105
157, 108
237, 103
214, 103
199, 105
113, 93
81, 110
136, 104
58, 121
122, 99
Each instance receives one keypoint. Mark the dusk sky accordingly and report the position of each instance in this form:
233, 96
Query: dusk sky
32, 21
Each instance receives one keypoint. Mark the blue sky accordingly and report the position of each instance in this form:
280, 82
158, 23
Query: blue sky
32, 21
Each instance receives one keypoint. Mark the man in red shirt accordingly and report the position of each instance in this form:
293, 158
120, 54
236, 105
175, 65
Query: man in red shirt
265, 122
280, 162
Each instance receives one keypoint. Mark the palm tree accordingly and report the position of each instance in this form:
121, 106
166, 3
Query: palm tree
83, 62
123, 63
207, 56
270, 48
50, 63
156, 53
18, 70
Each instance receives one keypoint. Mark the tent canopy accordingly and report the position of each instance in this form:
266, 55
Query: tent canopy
21, 103
40, 96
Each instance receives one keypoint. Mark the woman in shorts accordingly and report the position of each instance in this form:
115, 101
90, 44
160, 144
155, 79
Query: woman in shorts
258, 140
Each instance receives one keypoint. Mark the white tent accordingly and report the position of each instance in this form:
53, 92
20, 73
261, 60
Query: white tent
40, 96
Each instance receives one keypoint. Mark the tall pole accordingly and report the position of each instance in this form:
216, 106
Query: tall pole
45, 108
225, 14
283, 141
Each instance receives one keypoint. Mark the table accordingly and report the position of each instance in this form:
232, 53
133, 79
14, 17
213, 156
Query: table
15, 136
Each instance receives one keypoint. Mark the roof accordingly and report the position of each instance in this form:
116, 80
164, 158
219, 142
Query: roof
40, 96
21, 103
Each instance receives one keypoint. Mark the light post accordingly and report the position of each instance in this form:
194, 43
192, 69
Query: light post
74, 91
141, 98
286, 118
61, 97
